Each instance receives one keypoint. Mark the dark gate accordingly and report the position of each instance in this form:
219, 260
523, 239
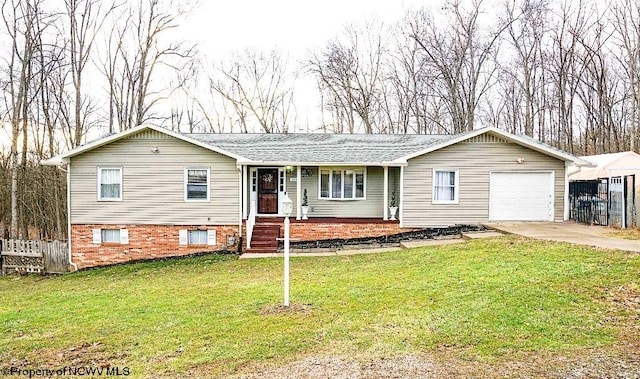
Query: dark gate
630, 200
589, 201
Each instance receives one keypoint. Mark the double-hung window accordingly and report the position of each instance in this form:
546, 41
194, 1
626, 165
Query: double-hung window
110, 183
445, 186
341, 184
196, 184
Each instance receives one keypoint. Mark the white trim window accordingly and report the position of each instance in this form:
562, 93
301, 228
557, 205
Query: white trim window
110, 183
196, 237
445, 186
196, 184
110, 236
341, 184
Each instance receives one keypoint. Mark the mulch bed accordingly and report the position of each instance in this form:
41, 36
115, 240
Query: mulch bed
422, 234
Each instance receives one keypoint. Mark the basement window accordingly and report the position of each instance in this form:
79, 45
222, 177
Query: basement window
197, 237
110, 236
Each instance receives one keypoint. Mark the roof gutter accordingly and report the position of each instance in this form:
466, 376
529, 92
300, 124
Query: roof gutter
341, 164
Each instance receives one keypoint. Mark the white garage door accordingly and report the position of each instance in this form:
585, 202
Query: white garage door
521, 196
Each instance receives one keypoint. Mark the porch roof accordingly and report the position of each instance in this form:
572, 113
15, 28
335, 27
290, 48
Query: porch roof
306, 148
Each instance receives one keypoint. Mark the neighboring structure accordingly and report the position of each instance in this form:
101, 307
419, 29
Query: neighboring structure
149, 192
607, 191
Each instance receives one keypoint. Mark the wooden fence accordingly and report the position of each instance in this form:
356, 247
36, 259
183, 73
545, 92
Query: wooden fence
34, 257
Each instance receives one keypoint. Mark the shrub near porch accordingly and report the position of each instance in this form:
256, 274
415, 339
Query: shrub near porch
484, 300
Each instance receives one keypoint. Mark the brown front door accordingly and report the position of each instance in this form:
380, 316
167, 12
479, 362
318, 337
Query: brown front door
268, 190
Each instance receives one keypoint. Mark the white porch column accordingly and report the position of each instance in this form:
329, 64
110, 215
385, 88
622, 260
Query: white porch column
241, 184
298, 192
401, 205
567, 205
245, 213
385, 201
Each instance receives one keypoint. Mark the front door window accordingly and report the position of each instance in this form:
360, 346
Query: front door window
268, 190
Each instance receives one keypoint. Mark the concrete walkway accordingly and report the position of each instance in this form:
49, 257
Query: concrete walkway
568, 232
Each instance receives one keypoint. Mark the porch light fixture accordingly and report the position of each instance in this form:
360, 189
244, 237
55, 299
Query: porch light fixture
155, 150
287, 208
519, 160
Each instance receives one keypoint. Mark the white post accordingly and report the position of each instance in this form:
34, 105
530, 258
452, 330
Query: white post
245, 212
567, 205
298, 192
401, 210
287, 208
286, 261
385, 201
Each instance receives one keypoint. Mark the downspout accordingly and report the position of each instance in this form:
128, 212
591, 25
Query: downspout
68, 172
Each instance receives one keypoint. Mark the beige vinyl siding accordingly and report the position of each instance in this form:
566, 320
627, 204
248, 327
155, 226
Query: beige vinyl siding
370, 207
153, 184
474, 160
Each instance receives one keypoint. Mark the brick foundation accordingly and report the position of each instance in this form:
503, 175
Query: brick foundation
314, 231
145, 242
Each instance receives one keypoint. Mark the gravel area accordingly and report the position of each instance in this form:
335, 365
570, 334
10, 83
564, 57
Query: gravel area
589, 364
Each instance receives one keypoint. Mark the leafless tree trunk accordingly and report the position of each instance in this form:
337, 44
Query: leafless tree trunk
626, 20
256, 86
350, 72
463, 57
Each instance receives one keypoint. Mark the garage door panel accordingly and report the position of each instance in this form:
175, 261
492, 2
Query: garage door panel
521, 196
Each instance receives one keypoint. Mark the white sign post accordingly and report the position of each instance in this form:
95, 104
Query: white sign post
287, 207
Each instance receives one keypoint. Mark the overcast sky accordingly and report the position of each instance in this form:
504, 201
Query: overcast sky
294, 26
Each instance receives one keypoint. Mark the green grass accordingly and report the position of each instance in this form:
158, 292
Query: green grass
487, 298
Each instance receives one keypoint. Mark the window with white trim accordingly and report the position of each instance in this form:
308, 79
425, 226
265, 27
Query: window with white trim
110, 236
445, 186
110, 183
341, 184
196, 184
197, 237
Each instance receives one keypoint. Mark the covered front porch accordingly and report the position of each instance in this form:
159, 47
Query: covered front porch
328, 201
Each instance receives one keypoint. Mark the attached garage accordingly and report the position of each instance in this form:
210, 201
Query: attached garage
521, 196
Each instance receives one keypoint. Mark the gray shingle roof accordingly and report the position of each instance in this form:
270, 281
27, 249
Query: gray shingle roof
321, 148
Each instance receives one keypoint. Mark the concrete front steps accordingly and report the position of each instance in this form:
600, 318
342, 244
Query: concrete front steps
264, 238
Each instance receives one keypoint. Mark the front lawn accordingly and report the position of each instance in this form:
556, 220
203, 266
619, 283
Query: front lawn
484, 300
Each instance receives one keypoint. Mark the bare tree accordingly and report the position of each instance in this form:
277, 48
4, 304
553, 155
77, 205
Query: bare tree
86, 18
19, 21
130, 69
462, 54
626, 21
350, 73
256, 86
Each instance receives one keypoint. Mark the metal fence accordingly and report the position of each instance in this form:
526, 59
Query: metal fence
589, 201
42, 257
606, 201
